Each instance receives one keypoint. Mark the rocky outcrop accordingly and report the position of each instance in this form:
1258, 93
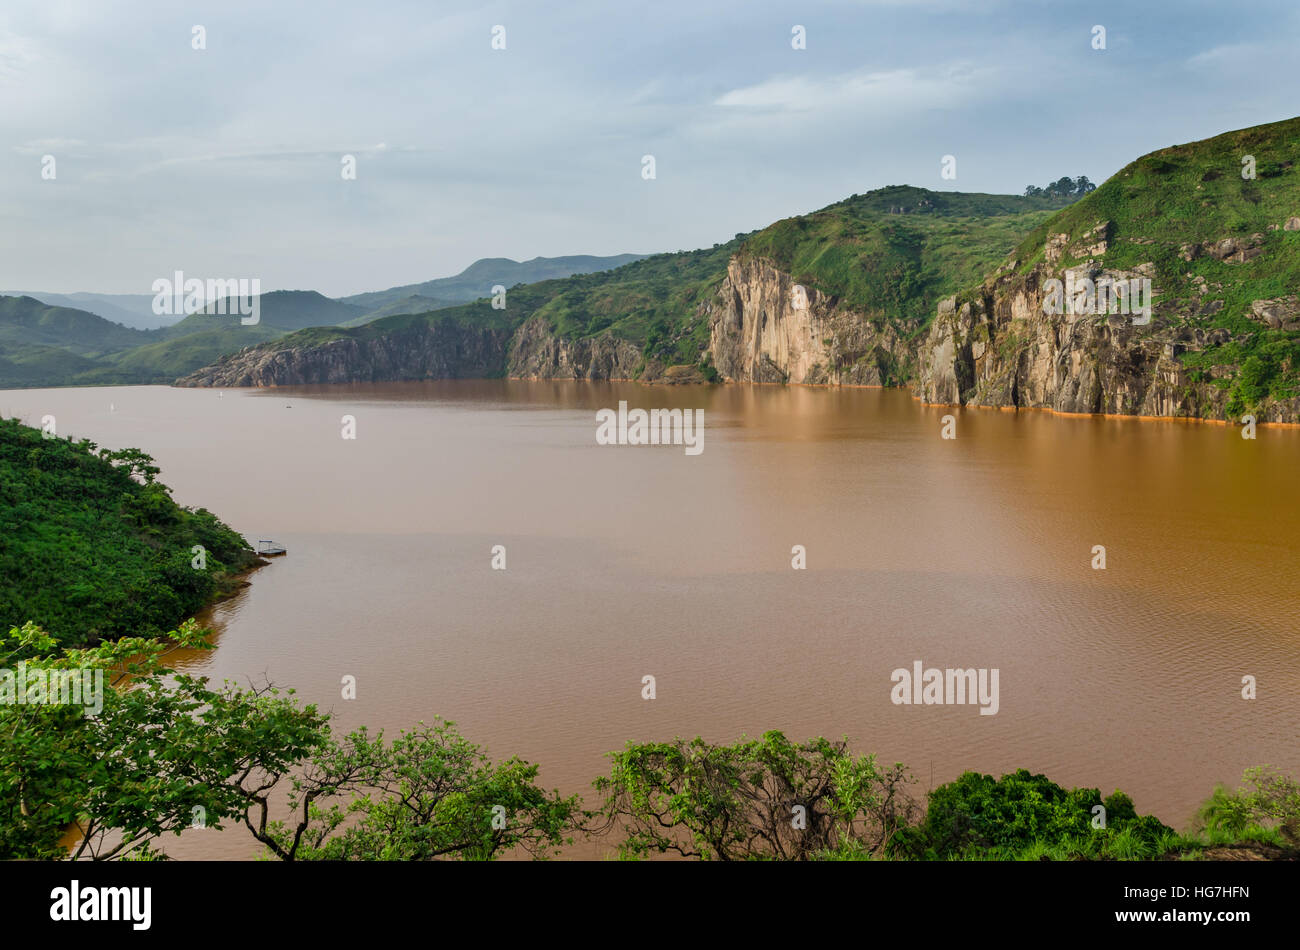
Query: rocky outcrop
537, 353
1282, 313
1001, 350
1006, 345
443, 350
766, 328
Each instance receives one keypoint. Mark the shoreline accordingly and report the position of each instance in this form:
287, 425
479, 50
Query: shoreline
915, 398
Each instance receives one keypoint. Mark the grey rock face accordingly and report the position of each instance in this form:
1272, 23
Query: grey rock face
766, 328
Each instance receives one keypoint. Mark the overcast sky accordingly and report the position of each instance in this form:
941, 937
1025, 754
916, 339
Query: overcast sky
226, 161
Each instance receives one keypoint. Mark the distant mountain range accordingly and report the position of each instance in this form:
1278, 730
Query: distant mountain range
130, 310
479, 278
49, 339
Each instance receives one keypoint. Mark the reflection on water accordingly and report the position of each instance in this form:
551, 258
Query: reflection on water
628, 560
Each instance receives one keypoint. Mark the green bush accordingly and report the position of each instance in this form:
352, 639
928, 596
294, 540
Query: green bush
1021, 815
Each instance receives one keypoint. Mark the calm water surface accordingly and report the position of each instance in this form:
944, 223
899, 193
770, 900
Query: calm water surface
625, 561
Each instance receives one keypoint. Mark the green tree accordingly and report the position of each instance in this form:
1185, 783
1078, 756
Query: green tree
164, 750
430, 794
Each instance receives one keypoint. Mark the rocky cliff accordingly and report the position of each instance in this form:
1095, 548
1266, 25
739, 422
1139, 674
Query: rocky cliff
536, 352
765, 328
1008, 343
442, 350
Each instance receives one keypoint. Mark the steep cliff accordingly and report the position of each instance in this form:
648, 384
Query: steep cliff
1187, 230
1001, 349
537, 352
765, 328
840, 296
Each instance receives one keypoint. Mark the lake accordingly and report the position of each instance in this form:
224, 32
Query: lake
624, 561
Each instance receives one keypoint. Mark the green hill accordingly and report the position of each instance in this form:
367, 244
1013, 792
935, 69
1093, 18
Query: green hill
163, 361
479, 278
1225, 251
896, 251
91, 551
130, 310
27, 321
43, 345
631, 301
412, 304
279, 309
28, 364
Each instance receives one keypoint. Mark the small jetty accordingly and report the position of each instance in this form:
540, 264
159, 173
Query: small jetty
270, 549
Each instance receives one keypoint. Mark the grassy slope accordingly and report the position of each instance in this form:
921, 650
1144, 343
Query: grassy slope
164, 361
88, 552
44, 345
897, 266
1191, 194
413, 304
27, 321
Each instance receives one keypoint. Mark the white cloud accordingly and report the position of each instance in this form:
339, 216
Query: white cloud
40, 146
1231, 54
893, 91
16, 54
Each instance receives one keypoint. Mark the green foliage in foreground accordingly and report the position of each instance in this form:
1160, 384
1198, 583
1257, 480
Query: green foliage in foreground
1267, 800
429, 794
163, 754
168, 752
1023, 815
759, 799
92, 547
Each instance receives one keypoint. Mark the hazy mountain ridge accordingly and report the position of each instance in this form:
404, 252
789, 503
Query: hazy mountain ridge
479, 278
130, 310
38, 341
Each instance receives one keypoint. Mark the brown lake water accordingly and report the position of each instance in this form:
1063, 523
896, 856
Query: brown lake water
626, 561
